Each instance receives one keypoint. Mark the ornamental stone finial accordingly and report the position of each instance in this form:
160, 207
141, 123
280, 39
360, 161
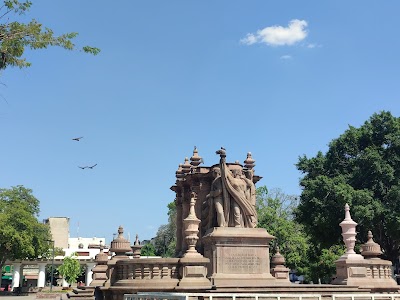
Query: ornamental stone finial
136, 247
186, 166
179, 173
349, 235
195, 160
370, 249
249, 162
191, 224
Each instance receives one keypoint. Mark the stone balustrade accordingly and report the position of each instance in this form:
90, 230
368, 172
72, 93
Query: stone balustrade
379, 269
150, 273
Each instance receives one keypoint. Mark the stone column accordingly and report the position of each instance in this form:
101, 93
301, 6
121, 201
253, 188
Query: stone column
41, 281
185, 212
16, 275
89, 273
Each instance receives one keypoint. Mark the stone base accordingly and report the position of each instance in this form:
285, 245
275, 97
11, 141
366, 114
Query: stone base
193, 273
239, 257
374, 274
281, 273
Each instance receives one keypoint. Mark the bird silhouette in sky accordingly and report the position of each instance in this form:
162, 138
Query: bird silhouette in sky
87, 167
77, 138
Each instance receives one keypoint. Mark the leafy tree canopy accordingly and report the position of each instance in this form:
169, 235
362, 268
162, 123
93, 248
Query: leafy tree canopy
275, 214
165, 240
148, 250
22, 236
361, 168
321, 267
70, 269
16, 36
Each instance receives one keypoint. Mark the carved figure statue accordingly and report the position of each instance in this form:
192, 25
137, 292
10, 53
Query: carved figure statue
215, 197
238, 196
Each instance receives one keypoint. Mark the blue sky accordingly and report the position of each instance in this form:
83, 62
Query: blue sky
277, 78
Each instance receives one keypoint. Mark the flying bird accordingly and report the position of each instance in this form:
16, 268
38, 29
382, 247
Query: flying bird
77, 139
82, 167
91, 167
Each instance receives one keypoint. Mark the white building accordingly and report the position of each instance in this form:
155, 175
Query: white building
32, 274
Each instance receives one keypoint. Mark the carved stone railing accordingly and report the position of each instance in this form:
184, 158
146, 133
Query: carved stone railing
151, 274
379, 268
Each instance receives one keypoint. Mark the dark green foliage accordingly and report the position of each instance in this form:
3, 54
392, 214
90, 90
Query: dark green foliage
148, 250
15, 37
322, 268
361, 168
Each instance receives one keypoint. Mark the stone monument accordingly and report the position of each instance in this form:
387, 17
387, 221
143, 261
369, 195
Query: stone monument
237, 250
220, 251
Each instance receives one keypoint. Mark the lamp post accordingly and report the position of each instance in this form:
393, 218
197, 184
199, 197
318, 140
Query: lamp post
52, 267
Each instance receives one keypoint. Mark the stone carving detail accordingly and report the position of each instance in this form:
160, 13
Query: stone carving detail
233, 195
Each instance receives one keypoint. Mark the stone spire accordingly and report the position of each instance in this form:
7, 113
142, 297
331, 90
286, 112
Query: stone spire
249, 162
195, 160
136, 248
186, 166
120, 245
191, 224
179, 173
370, 249
100, 270
349, 235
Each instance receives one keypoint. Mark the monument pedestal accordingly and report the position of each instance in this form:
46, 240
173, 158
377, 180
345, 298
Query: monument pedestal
194, 274
239, 257
374, 274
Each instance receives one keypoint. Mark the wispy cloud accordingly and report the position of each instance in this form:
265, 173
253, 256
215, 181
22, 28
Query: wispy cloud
278, 35
286, 57
312, 46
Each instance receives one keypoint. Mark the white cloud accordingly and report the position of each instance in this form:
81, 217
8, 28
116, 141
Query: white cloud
278, 35
286, 57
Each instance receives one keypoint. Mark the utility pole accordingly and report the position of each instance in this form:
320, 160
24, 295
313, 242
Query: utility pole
52, 267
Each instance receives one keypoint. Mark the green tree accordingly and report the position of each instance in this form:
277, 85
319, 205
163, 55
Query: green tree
22, 236
361, 168
165, 239
16, 36
70, 269
275, 214
148, 250
321, 265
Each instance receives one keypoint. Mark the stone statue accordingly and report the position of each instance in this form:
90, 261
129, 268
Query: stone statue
215, 198
233, 195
